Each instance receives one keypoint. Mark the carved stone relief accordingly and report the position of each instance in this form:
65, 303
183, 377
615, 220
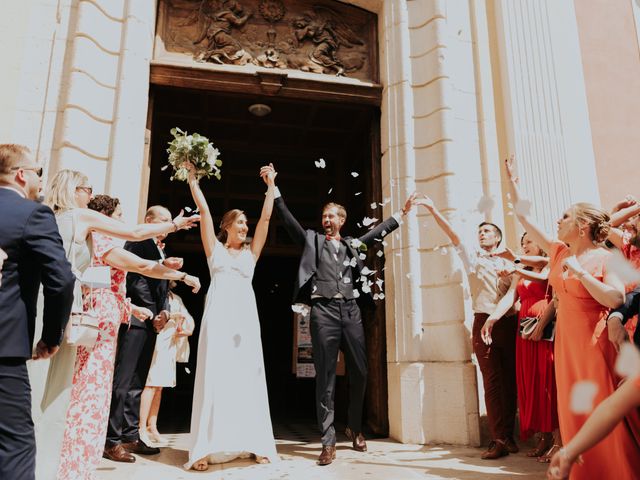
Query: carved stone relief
323, 37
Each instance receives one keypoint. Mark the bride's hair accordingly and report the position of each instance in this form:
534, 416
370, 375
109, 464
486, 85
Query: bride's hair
62, 189
227, 220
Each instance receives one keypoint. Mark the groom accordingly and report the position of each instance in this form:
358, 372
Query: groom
327, 281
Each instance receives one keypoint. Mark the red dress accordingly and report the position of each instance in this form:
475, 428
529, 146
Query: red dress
88, 413
535, 375
583, 352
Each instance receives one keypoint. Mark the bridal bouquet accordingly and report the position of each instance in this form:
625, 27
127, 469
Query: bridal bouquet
195, 149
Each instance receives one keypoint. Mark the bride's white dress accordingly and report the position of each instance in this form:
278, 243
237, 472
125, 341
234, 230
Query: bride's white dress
230, 416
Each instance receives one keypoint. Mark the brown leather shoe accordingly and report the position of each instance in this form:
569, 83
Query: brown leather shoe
496, 449
140, 448
359, 444
327, 455
117, 453
511, 445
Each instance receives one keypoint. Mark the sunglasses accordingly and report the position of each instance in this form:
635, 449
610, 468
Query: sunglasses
87, 190
38, 170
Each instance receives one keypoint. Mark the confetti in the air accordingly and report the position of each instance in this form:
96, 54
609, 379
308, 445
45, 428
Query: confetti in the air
330, 190
357, 193
618, 264
164, 167
300, 308
485, 205
356, 294
523, 207
628, 361
354, 174
362, 256
368, 221
367, 271
373, 205
346, 280
186, 369
582, 395
379, 253
187, 209
350, 263
320, 163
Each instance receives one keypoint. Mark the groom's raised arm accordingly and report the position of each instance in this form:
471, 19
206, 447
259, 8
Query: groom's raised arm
291, 225
388, 225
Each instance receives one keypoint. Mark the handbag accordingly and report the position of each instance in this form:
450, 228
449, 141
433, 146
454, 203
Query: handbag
83, 326
529, 324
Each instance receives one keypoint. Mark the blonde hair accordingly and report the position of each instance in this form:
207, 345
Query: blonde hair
342, 212
227, 220
10, 155
61, 194
593, 217
155, 211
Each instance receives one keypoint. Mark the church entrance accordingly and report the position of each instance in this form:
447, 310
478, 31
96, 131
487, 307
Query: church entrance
324, 150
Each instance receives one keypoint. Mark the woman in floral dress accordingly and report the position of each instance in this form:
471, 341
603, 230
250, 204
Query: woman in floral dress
88, 412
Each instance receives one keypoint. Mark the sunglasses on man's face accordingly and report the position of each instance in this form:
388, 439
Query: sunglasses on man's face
38, 170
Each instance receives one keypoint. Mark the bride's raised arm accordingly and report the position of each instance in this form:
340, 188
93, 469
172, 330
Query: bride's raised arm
268, 174
207, 230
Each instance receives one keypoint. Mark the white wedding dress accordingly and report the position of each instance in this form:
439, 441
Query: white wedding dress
230, 416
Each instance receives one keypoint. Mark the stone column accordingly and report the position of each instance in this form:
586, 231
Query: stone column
439, 85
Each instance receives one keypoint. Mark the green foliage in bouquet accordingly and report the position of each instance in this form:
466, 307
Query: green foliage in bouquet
195, 149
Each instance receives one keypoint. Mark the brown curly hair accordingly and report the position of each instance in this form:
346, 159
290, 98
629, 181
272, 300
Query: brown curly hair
104, 204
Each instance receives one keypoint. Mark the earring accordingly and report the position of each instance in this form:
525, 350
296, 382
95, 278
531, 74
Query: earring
581, 233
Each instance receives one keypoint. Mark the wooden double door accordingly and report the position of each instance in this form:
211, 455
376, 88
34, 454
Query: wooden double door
302, 133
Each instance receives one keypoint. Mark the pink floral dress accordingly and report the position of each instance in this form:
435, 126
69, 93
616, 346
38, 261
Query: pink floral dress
88, 412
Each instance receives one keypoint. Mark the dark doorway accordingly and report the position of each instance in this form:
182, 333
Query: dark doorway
296, 135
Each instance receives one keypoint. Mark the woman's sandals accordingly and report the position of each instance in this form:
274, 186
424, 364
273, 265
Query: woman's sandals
201, 465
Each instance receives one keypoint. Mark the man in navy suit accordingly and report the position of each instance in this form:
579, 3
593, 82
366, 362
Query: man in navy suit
35, 255
328, 277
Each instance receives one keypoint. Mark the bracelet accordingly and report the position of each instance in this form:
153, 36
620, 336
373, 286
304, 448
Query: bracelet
184, 275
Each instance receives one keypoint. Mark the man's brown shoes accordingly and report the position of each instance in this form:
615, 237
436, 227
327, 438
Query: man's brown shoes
117, 453
496, 449
327, 455
359, 444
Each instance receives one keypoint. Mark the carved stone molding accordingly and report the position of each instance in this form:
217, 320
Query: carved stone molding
317, 36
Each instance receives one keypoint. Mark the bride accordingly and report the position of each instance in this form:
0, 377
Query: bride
230, 416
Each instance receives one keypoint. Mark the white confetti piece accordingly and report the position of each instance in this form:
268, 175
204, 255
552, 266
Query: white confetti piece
300, 308
357, 193
187, 209
443, 251
366, 288
186, 369
369, 221
625, 270
373, 205
313, 290
383, 233
523, 207
380, 253
362, 256
354, 174
346, 280
385, 201
358, 224
356, 294
582, 395
164, 168
384, 243
409, 275
320, 163
485, 204
330, 190
350, 263
367, 271
378, 296
628, 361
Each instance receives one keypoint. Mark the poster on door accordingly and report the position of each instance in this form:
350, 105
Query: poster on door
302, 350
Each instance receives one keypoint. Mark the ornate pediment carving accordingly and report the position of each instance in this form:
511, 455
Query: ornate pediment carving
322, 37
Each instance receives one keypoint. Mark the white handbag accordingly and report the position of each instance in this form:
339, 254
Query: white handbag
83, 327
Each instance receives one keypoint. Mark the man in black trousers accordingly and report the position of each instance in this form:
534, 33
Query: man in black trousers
328, 278
35, 255
135, 348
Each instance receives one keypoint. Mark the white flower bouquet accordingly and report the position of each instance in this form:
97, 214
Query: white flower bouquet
195, 149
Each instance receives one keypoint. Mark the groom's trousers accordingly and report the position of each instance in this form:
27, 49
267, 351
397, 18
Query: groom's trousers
336, 324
